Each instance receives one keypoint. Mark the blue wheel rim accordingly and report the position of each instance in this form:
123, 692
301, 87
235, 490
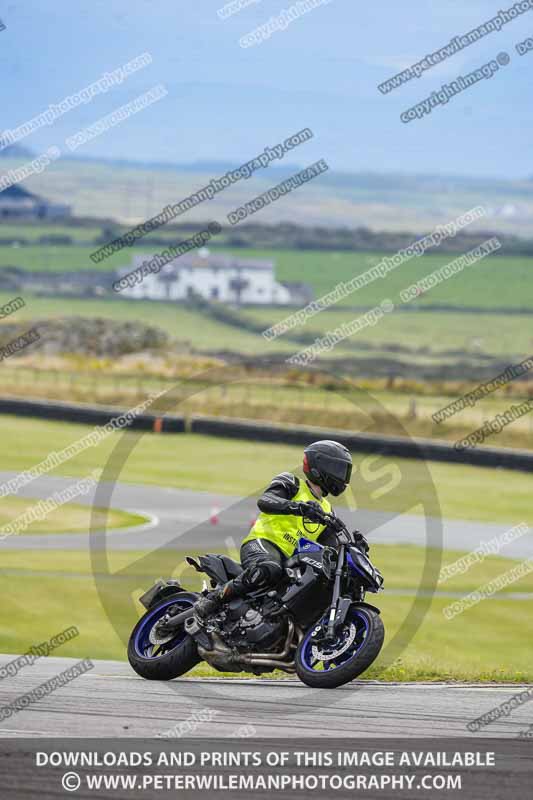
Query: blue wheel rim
314, 664
142, 645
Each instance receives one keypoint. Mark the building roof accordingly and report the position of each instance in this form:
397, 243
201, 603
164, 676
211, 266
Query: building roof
15, 192
211, 261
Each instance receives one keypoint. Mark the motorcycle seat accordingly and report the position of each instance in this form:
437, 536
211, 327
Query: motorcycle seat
233, 568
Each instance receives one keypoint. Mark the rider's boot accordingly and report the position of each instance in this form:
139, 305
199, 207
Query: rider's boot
211, 602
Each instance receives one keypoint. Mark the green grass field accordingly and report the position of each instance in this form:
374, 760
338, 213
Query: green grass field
177, 320
31, 231
495, 282
422, 337
48, 591
426, 334
59, 258
67, 518
244, 468
486, 642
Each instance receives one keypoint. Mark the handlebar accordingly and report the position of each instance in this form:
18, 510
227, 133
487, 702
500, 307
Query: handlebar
331, 521
344, 536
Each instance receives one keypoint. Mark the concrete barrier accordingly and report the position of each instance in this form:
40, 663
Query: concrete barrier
403, 447
88, 415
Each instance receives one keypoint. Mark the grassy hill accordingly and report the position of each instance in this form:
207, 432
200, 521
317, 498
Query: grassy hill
131, 192
429, 334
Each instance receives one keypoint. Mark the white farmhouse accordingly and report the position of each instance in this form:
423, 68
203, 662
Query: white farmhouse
220, 278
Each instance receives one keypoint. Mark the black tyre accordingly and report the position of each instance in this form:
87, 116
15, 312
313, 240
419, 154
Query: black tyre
168, 659
356, 648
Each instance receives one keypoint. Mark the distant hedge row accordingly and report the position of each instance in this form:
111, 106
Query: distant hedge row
287, 236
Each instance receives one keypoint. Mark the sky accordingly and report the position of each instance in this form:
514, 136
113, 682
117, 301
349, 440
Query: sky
226, 102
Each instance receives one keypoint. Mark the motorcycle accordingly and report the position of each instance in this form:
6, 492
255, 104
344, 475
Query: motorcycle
315, 623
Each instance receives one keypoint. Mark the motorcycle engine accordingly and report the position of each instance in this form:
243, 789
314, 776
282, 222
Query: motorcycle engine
246, 626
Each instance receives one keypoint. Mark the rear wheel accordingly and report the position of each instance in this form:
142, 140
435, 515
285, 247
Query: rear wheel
357, 646
159, 658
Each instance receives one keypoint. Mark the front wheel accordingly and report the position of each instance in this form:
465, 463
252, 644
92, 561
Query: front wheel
332, 664
159, 658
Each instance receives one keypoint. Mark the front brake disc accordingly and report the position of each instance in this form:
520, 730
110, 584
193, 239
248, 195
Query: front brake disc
329, 655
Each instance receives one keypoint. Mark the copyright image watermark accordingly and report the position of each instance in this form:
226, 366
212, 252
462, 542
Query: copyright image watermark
488, 589
503, 710
450, 90
455, 45
377, 272
98, 434
245, 731
524, 47
469, 399
46, 688
9, 308
494, 426
276, 192
18, 344
153, 265
194, 721
116, 117
33, 167
477, 556
280, 22
326, 343
207, 192
37, 651
438, 276
234, 7
42, 509
85, 95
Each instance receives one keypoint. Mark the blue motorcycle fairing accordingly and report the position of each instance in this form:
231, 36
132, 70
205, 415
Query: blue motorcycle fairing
359, 563
308, 546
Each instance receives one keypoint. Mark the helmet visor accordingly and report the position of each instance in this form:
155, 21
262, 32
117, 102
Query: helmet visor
337, 468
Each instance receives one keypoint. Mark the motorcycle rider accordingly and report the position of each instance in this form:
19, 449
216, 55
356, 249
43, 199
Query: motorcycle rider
327, 466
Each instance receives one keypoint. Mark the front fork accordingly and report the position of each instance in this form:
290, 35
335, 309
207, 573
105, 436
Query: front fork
330, 633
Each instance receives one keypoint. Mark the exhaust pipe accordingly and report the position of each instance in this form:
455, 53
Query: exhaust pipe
264, 662
247, 659
274, 660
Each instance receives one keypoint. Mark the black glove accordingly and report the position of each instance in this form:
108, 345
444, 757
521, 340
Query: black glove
310, 511
360, 541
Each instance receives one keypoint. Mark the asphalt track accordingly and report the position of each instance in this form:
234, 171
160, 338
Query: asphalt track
181, 519
112, 701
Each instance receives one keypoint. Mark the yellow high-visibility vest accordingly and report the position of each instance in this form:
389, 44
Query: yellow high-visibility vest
284, 530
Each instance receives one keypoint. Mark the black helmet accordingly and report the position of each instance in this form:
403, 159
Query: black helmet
329, 465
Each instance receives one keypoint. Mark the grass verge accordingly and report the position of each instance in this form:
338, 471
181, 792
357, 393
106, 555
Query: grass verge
237, 467
485, 643
68, 518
